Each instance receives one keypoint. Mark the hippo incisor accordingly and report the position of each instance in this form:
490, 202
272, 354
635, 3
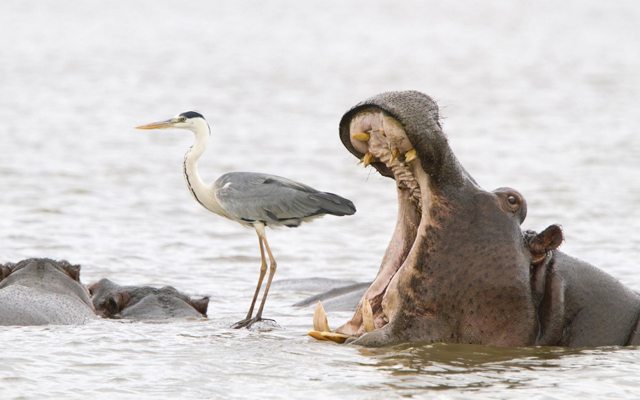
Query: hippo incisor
459, 268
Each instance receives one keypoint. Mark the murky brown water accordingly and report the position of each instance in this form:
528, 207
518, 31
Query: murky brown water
539, 96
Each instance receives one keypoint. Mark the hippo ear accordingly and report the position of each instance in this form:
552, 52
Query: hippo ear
542, 243
551, 238
5, 271
201, 305
116, 302
72, 270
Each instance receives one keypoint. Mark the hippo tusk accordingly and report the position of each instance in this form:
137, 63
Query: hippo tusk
321, 329
317, 335
367, 159
362, 136
367, 316
410, 155
320, 323
335, 337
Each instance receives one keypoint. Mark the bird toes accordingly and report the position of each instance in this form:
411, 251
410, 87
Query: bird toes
255, 323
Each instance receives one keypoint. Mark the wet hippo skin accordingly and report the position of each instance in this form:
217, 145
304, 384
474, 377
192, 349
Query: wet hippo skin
40, 291
144, 302
459, 268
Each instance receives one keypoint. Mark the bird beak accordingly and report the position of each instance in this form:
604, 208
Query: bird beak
158, 125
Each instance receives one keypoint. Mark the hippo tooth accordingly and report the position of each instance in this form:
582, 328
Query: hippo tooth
367, 159
410, 155
317, 335
362, 136
335, 337
320, 323
394, 154
367, 316
332, 336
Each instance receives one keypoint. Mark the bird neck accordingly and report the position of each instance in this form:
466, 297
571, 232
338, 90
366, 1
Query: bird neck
195, 184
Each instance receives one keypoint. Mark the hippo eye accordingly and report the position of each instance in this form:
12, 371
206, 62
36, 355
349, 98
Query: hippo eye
513, 202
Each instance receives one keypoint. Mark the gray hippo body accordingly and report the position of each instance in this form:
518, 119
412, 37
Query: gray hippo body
578, 305
41, 291
459, 268
144, 302
338, 298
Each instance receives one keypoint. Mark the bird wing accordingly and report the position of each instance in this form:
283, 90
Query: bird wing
275, 200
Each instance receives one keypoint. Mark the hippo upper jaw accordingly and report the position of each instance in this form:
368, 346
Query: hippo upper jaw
429, 266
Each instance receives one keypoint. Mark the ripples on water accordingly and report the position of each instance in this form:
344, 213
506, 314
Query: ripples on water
539, 96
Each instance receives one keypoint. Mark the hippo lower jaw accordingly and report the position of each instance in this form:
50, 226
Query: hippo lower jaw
385, 144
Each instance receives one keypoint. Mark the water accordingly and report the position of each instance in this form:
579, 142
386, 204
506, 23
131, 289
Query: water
541, 96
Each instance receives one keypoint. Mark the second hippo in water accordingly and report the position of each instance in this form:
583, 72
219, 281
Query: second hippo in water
41, 291
144, 302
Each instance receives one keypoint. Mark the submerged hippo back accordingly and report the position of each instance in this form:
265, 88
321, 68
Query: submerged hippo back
21, 305
43, 291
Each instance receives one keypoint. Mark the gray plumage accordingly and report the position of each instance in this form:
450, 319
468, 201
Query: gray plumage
275, 201
252, 199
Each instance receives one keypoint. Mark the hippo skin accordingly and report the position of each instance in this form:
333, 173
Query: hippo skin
40, 291
144, 302
459, 268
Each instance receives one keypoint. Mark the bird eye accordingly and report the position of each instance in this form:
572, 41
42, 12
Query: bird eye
183, 119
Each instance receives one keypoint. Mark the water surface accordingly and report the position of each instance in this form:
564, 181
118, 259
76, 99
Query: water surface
540, 96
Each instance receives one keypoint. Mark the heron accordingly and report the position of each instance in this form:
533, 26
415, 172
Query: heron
252, 199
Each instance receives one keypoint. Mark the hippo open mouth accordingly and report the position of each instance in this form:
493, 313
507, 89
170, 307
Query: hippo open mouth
372, 131
383, 143
439, 205
459, 269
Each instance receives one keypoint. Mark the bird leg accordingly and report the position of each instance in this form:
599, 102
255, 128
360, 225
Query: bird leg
263, 271
262, 239
272, 271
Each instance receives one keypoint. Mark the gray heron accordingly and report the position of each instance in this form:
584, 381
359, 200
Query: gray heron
252, 199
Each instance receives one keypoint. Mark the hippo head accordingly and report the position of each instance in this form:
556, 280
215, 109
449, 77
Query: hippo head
51, 275
458, 268
144, 302
41, 264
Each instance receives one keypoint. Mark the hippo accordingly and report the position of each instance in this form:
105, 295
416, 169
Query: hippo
340, 297
144, 302
577, 304
459, 268
41, 291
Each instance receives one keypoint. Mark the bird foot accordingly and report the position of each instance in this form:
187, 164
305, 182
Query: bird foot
247, 323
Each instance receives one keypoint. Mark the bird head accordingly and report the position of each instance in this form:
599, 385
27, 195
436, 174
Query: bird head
191, 120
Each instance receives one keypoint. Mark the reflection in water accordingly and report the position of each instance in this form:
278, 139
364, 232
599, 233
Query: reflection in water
439, 366
418, 357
